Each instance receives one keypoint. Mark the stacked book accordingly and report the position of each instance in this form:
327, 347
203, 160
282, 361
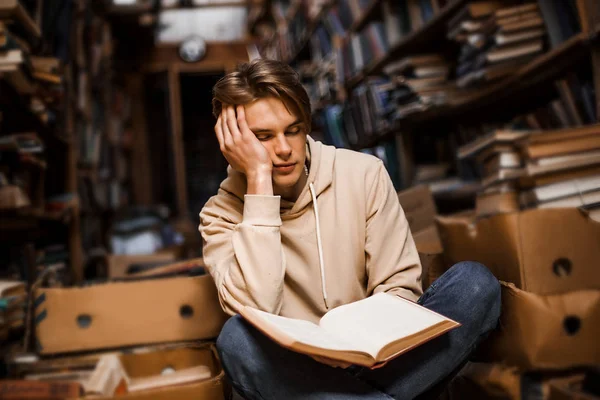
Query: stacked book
495, 40
524, 169
420, 82
13, 302
561, 168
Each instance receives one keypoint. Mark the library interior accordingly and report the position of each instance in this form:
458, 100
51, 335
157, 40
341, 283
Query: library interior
143, 257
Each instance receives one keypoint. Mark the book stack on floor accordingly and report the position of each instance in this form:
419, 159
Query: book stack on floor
495, 40
147, 334
539, 237
537, 169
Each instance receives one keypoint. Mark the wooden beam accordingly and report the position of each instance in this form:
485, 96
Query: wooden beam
591, 10
140, 157
177, 139
217, 58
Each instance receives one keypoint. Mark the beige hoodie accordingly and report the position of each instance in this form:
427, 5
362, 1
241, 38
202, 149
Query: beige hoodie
344, 239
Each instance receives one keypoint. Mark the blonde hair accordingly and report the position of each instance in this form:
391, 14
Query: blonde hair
259, 79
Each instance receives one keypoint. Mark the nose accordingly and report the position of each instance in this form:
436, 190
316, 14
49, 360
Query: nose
282, 147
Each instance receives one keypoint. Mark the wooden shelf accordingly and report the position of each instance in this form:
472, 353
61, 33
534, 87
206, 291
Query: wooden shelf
15, 109
12, 9
310, 30
414, 42
506, 93
366, 16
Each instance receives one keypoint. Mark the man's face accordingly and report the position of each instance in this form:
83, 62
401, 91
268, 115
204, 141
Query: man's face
283, 134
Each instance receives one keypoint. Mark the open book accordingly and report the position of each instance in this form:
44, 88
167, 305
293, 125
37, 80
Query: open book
369, 332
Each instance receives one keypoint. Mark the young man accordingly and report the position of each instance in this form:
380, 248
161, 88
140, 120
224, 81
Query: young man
299, 228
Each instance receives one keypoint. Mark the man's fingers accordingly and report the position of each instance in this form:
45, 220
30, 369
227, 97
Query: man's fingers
227, 139
241, 121
232, 124
219, 133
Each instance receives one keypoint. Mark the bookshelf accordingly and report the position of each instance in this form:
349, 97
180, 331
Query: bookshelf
432, 31
34, 101
531, 81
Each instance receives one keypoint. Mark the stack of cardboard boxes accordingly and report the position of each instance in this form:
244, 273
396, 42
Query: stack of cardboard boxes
546, 260
148, 335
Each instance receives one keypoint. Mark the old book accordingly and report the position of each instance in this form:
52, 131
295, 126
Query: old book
187, 375
487, 204
544, 166
369, 332
22, 389
559, 176
510, 52
562, 147
560, 189
491, 139
515, 10
500, 161
578, 200
502, 175
506, 38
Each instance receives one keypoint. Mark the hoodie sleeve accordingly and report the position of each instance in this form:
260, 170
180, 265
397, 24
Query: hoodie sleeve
245, 258
392, 260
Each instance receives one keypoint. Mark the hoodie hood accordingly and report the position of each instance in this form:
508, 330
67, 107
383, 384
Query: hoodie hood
320, 158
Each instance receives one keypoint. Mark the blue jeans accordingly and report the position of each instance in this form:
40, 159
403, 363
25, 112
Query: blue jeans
258, 368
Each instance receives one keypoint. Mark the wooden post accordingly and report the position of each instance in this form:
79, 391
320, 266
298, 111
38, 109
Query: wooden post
177, 139
140, 157
590, 23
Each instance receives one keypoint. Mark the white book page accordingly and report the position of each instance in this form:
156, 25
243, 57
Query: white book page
374, 322
304, 332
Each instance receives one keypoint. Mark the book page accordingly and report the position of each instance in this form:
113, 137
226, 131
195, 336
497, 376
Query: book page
304, 332
378, 320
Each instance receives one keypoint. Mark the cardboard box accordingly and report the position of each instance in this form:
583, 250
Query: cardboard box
545, 251
419, 207
153, 363
118, 264
486, 381
127, 313
546, 332
434, 265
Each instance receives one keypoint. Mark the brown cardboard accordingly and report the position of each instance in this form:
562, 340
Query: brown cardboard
419, 207
118, 264
546, 332
488, 381
433, 266
542, 251
153, 363
127, 313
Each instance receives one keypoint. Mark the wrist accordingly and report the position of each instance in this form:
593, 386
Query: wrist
260, 182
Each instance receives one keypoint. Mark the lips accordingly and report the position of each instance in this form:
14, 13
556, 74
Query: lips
285, 168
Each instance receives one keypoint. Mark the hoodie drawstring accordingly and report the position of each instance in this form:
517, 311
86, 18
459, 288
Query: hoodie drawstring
319, 244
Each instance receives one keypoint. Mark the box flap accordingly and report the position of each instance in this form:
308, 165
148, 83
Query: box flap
419, 207
491, 241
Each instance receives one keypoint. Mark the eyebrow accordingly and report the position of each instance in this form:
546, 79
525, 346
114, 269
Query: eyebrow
263, 130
